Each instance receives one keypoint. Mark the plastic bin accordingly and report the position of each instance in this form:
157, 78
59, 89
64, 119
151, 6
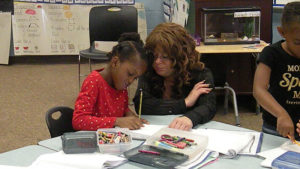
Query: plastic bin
114, 148
79, 142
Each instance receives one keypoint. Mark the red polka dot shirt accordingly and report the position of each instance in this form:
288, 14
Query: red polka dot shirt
98, 104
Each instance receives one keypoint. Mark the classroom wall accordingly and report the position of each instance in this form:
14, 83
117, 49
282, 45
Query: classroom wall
154, 13
154, 16
277, 12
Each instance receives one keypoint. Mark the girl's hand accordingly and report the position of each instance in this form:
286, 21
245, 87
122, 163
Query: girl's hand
285, 126
298, 127
131, 122
132, 113
181, 123
199, 88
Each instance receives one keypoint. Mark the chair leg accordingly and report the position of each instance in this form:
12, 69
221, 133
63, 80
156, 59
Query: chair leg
79, 72
226, 95
90, 65
234, 101
257, 108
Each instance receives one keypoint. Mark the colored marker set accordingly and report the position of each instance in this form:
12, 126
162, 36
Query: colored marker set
174, 141
113, 140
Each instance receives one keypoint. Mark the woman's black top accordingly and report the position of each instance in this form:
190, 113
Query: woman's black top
201, 112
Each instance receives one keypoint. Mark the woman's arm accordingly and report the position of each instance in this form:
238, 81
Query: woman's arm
205, 107
266, 100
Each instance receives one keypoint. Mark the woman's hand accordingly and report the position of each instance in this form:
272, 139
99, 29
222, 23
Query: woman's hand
131, 122
298, 127
285, 126
199, 88
181, 123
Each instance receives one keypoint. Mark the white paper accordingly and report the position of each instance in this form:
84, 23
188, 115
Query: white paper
283, 2
12, 167
144, 132
289, 146
270, 155
5, 32
105, 46
60, 160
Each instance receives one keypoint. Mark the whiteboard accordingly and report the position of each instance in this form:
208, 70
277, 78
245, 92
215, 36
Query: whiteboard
282, 2
56, 29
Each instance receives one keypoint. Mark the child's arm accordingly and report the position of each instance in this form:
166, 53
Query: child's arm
298, 127
266, 100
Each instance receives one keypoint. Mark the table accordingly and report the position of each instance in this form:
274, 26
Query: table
239, 48
16, 157
253, 49
56, 144
23, 156
245, 162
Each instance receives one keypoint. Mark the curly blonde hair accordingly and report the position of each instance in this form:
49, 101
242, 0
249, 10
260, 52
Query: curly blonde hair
180, 48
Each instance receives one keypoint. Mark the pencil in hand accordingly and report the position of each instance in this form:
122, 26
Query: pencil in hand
140, 105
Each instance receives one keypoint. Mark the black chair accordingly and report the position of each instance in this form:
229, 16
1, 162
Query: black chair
59, 120
107, 23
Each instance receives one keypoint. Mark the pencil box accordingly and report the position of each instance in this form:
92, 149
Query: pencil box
79, 142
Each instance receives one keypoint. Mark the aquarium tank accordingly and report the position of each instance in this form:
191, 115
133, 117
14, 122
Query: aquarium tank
230, 25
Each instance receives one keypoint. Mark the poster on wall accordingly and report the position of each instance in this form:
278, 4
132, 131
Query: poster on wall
56, 29
282, 2
176, 11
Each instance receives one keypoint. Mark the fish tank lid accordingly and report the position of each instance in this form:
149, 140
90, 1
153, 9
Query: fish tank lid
230, 9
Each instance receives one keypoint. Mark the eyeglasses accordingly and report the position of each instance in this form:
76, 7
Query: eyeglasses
162, 58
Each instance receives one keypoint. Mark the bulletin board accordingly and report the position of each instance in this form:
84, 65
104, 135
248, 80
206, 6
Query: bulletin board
56, 29
83, 2
282, 2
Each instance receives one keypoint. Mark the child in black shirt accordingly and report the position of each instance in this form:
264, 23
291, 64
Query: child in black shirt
277, 78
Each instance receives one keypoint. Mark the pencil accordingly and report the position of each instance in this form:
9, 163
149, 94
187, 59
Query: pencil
141, 100
293, 141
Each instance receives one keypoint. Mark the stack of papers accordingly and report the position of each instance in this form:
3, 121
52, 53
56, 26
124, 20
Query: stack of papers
200, 160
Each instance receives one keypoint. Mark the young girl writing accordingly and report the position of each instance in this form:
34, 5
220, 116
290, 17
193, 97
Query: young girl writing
276, 82
103, 99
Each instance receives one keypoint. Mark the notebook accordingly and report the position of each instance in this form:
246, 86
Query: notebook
232, 143
288, 160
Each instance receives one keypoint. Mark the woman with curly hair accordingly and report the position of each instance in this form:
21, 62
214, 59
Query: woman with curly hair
176, 82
